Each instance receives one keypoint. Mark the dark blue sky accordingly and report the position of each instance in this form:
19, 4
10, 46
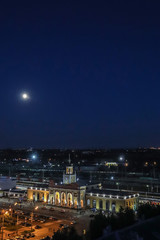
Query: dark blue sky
92, 69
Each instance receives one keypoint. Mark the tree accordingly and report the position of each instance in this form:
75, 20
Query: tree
147, 211
129, 216
66, 234
97, 225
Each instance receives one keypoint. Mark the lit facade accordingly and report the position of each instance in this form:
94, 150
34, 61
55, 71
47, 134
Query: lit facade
71, 194
69, 176
111, 201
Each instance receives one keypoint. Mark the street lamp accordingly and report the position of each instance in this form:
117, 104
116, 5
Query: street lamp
4, 213
10, 210
17, 212
121, 159
34, 156
32, 214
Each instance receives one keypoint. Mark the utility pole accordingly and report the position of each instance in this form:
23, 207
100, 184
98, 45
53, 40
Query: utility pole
17, 223
2, 225
42, 175
3, 222
31, 219
90, 176
9, 171
17, 219
25, 220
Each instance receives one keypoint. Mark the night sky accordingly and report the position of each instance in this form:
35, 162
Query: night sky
91, 68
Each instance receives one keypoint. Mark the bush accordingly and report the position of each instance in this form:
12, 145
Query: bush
124, 218
66, 234
147, 211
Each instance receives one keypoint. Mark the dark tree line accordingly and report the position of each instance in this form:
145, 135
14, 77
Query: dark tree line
124, 218
66, 234
147, 210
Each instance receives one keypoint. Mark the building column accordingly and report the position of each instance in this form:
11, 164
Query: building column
104, 204
97, 203
79, 199
36, 196
30, 194
40, 196
110, 205
72, 200
45, 197
91, 202
54, 199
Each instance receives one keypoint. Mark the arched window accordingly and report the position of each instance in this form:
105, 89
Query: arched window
88, 202
113, 207
38, 196
52, 200
69, 199
82, 203
94, 203
63, 199
33, 196
107, 205
42, 196
57, 198
100, 204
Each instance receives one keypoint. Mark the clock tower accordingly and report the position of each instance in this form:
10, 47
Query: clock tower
69, 176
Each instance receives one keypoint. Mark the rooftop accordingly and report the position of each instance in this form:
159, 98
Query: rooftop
111, 193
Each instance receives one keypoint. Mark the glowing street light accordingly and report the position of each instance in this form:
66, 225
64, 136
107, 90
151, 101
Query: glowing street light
4, 213
33, 156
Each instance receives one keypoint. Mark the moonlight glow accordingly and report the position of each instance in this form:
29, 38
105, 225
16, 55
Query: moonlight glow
25, 96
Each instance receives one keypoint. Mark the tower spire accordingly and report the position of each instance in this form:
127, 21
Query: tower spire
69, 160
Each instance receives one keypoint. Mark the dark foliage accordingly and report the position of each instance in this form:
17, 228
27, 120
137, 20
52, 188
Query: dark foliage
97, 225
66, 234
124, 218
147, 211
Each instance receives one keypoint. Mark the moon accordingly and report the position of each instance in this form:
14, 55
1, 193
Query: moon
25, 96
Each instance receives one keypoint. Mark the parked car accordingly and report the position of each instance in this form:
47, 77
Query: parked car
37, 227
32, 235
66, 226
62, 211
73, 222
44, 208
28, 224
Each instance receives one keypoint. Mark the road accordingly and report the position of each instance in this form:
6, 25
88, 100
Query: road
30, 207
48, 228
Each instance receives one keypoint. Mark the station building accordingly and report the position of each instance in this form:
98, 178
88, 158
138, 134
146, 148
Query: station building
76, 195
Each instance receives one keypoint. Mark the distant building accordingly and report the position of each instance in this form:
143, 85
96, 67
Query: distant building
107, 200
7, 184
77, 195
111, 164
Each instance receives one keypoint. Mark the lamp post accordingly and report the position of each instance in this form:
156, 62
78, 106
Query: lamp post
3, 222
11, 211
122, 160
31, 219
2, 225
17, 221
32, 214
